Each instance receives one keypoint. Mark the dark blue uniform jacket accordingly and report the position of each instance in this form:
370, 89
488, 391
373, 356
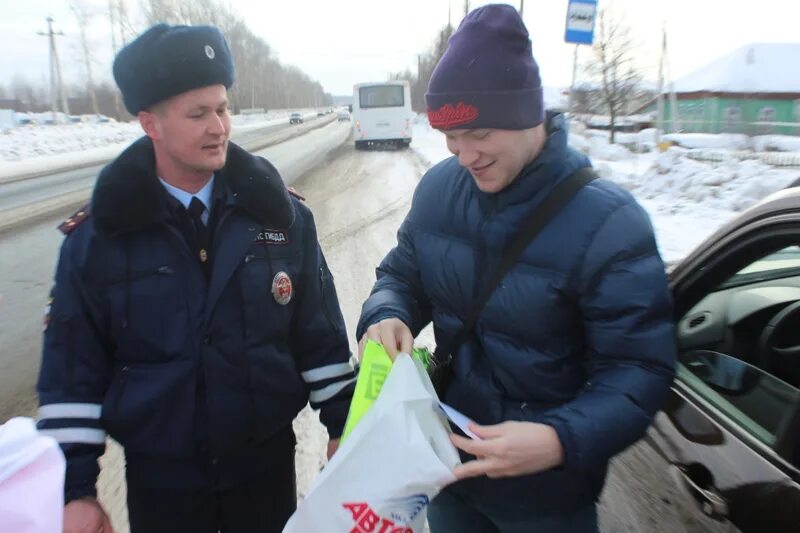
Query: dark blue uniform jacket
196, 378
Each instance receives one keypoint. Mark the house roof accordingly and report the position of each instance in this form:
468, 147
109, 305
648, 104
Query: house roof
754, 68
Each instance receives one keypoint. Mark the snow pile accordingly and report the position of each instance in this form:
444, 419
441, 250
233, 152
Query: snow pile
730, 185
776, 143
26, 142
595, 144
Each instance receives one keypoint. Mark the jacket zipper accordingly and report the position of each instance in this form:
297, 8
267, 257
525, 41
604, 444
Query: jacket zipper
324, 298
123, 380
162, 270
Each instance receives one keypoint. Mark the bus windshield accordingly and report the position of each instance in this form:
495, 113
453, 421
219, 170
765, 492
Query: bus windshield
381, 96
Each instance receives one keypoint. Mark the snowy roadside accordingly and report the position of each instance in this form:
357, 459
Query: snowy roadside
33, 149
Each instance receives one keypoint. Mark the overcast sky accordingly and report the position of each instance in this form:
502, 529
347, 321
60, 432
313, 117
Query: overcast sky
342, 42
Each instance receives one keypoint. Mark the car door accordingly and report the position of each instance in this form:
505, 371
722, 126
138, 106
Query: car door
730, 429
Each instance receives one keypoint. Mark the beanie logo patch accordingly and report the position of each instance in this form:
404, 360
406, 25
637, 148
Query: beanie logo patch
447, 116
210, 52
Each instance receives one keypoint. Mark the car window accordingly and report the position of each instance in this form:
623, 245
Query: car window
761, 404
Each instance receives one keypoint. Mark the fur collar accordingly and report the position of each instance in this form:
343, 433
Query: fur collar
128, 195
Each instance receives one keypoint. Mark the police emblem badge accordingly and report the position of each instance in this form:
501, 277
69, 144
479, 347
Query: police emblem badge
282, 288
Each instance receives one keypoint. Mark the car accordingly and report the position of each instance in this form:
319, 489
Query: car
729, 432
295, 118
343, 116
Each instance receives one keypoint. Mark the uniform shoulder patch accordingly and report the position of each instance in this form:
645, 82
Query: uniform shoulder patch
72, 222
296, 194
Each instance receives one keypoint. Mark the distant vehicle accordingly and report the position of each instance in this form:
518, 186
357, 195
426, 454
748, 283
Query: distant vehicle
382, 113
295, 118
321, 113
343, 116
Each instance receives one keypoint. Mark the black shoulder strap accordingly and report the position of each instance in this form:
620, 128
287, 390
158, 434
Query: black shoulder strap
543, 214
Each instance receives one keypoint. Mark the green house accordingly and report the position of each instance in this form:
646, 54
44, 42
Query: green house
754, 90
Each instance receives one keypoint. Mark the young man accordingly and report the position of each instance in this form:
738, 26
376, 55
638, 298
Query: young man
573, 353
193, 313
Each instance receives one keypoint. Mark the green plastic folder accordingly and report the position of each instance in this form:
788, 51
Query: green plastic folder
374, 368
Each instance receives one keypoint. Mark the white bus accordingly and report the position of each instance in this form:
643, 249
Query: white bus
382, 113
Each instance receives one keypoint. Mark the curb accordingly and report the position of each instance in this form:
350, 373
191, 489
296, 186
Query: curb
29, 213
33, 175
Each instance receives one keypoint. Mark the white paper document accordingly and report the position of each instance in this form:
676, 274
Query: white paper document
457, 418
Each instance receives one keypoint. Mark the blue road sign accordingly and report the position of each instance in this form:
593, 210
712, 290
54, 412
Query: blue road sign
580, 21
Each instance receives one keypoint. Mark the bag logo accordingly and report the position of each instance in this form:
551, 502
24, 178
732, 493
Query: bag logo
396, 517
447, 116
282, 288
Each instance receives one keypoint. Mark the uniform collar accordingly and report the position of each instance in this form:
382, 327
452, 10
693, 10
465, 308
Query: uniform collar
185, 198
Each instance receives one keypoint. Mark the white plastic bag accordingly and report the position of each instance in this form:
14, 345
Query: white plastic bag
394, 462
31, 479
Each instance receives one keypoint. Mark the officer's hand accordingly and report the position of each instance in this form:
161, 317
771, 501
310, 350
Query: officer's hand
393, 334
509, 449
333, 445
85, 515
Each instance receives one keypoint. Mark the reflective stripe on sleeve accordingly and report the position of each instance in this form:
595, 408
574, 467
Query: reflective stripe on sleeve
326, 393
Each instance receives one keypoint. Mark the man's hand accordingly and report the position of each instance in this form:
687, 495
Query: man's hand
333, 445
509, 449
392, 333
86, 515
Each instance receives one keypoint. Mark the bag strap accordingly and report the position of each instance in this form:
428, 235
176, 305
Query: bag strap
541, 216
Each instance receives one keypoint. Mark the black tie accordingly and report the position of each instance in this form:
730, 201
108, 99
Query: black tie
196, 210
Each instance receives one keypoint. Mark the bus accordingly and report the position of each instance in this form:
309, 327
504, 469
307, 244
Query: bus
382, 114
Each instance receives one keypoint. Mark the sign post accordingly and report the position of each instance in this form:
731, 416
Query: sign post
579, 30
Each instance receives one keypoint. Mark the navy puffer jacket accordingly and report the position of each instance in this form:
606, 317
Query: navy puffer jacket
578, 335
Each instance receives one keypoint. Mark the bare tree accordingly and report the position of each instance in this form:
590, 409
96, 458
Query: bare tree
23, 91
261, 80
613, 66
425, 65
83, 15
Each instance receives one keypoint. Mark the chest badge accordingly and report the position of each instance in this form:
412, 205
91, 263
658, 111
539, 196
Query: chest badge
282, 288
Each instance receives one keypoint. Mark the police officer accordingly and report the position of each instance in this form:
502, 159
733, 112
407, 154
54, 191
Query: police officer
193, 314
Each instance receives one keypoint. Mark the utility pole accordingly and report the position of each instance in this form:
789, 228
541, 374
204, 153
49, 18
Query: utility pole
124, 23
466, 7
571, 100
521, 7
56, 83
660, 94
449, 15
674, 118
112, 20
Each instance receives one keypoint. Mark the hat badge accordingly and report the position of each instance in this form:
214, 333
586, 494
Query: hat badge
282, 288
210, 52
